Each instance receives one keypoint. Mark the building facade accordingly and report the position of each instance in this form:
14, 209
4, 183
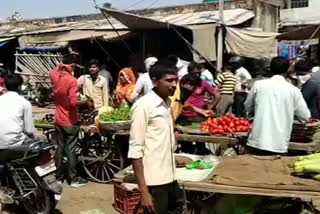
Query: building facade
300, 12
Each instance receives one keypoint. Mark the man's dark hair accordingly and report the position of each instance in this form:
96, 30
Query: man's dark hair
192, 66
190, 79
13, 82
279, 65
173, 59
303, 66
161, 68
94, 62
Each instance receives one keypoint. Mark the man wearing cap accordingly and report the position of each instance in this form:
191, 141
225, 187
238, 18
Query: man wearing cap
144, 83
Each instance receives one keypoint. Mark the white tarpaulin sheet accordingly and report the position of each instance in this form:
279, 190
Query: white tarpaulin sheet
204, 41
251, 43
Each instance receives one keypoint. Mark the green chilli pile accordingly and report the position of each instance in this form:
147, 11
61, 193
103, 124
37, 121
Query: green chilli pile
113, 115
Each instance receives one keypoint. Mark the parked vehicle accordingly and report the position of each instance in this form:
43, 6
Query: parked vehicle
28, 177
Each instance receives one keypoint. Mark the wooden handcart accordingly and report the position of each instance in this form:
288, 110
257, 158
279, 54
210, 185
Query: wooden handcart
97, 150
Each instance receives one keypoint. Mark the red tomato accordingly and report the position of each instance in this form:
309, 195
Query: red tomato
225, 128
231, 125
244, 129
227, 120
238, 129
237, 122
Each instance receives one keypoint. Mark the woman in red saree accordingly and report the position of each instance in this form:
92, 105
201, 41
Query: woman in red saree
126, 86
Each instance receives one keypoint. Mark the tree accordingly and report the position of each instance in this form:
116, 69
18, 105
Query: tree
15, 17
107, 5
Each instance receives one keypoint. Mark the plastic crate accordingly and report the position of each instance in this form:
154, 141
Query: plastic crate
127, 202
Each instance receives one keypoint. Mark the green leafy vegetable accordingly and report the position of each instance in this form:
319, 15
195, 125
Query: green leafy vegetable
122, 114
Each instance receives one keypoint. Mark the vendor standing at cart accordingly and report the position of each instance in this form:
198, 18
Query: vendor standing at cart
152, 143
65, 90
274, 103
198, 111
94, 85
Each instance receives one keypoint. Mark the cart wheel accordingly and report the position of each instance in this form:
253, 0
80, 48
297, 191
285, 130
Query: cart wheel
193, 199
101, 158
80, 143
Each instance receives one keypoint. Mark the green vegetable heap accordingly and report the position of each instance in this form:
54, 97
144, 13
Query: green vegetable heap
42, 122
114, 115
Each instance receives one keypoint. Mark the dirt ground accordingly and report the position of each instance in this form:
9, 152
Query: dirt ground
91, 199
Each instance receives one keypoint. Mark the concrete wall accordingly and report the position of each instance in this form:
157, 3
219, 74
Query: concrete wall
301, 16
266, 17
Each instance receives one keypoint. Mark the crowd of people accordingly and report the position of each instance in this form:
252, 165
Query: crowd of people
170, 92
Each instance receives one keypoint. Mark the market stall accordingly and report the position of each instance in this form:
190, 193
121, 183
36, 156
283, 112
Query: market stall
250, 175
233, 132
97, 149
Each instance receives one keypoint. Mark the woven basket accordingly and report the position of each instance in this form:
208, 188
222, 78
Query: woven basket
304, 132
115, 126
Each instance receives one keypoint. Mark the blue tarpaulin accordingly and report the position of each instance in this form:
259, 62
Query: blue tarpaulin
4, 44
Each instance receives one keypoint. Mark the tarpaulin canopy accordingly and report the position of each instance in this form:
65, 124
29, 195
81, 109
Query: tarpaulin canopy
310, 32
252, 43
161, 21
62, 38
201, 24
204, 41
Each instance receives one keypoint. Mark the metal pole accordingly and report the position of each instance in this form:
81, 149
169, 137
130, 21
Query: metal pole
220, 36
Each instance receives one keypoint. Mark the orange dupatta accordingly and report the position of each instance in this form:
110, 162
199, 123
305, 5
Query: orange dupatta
128, 88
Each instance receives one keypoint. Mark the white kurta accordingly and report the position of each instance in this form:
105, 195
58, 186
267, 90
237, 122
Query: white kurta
274, 102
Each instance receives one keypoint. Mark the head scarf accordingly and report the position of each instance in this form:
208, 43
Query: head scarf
150, 62
68, 68
127, 88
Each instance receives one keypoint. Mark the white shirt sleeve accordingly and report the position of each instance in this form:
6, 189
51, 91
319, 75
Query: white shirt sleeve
250, 102
246, 74
138, 88
301, 109
28, 119
137, 132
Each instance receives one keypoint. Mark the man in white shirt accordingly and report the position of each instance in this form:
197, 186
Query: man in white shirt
274, 102
241, 92
207, 76
144, 83
94, 85
152, 143
16, 119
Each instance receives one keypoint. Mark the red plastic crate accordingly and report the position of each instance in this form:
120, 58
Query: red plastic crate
127, 202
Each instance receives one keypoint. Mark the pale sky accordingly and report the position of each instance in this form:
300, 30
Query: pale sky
56, 8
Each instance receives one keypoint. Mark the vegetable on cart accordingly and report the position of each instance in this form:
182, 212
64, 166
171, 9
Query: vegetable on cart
226, 124
114, 119
308, 165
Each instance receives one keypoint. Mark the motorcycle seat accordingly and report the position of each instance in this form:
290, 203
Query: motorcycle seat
7, 155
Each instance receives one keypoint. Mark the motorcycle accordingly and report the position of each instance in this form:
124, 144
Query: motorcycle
27, 174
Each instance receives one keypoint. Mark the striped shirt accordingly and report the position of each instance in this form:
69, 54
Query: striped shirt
227, 82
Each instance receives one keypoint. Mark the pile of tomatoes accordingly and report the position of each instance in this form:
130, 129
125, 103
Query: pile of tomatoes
226, 124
